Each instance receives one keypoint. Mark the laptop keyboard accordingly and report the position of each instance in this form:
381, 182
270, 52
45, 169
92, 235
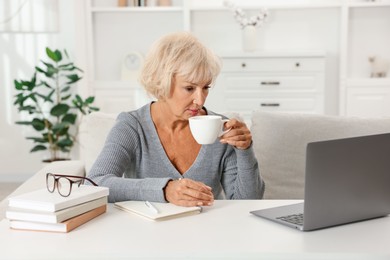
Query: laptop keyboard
296, 219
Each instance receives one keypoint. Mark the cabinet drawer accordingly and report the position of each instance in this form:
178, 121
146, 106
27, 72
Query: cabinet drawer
306, 104
273, 64
270, 82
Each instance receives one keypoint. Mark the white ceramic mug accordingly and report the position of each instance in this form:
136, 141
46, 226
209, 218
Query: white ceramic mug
206, 129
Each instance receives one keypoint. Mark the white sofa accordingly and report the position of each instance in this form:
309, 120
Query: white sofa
280, 141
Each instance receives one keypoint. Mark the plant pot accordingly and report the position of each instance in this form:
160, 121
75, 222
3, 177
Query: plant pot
55, 160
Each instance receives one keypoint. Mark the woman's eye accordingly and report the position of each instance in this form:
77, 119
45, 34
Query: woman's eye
189, 88
207, 88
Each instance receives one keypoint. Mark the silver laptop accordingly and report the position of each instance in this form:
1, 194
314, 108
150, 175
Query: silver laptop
347, 180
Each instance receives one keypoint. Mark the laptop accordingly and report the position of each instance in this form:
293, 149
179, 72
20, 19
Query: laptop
346, 180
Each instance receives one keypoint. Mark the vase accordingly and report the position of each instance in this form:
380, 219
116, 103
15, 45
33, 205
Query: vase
249, 38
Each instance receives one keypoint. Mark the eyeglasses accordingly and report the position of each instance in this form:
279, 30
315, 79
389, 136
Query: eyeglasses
64, 183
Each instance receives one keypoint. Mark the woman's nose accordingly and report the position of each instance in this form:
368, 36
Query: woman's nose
199, 98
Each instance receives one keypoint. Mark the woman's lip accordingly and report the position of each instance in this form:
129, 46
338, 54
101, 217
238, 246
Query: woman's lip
194, 112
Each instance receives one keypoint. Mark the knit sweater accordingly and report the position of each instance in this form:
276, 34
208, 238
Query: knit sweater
134, 165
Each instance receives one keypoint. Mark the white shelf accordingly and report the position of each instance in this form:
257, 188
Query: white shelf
365, 3
273, 54
135, 9
269, 7
367, 82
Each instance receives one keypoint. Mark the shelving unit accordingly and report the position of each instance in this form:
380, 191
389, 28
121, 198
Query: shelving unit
337, 28
361, 95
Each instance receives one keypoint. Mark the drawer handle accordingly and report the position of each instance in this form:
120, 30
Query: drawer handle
270, 104
270, 83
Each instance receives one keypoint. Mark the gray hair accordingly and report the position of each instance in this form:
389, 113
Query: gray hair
177, 54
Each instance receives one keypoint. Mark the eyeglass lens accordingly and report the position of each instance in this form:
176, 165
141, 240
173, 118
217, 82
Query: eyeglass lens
64, 185
50, 182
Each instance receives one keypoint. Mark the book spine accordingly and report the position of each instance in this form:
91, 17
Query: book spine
84, 218
54, 217
63, 227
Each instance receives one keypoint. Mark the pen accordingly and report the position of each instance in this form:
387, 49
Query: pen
151, 207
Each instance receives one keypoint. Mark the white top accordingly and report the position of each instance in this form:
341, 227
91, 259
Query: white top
226, 230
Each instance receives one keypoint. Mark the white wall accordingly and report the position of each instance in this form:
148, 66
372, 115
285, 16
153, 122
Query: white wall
19, 53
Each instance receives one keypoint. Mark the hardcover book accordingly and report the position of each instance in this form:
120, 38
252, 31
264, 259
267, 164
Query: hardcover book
163, 211
54, 217
66, 226
50, 202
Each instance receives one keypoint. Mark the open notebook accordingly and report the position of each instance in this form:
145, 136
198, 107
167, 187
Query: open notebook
164, 210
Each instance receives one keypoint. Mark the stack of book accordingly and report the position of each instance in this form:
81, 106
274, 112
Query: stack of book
41, 210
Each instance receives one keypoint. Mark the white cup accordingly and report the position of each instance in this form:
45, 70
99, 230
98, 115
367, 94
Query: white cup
206, 129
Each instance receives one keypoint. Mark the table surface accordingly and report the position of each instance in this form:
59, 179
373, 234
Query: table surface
225, 230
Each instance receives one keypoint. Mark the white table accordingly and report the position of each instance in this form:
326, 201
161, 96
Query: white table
226, 231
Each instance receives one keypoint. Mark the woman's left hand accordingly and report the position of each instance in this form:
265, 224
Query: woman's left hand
239, 135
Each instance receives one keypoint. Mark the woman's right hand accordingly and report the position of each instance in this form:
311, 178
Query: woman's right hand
187, 192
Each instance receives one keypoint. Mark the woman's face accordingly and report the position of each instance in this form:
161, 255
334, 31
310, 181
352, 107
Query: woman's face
187, 98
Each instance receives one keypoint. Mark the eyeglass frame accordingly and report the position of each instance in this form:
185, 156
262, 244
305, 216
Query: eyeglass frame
58, 176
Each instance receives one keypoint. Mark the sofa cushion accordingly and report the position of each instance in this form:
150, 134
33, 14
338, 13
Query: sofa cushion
93, 133
280, 141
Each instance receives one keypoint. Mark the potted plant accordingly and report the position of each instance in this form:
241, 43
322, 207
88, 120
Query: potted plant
53, 109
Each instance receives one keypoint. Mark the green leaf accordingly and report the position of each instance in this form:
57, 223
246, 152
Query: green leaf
39, 69
55, 56
32, 96
20, 99
65, 89
23, 122
79, 69
58, 55
73, 78
46, 98
59, 110
18, 85
60, 128
51, 70
65, 142
38, 124
38, 147
29, 109
37, 139
66, 53
68, 67
46, 84
79, 100
31, 84
89, 100
70, 118
93, 109
66, 97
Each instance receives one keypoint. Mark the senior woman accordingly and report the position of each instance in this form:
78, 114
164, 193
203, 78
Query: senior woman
150, 153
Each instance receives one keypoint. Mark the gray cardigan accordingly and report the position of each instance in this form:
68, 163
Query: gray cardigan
134, 165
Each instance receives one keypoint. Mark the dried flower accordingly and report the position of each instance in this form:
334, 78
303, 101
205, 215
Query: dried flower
240, 16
